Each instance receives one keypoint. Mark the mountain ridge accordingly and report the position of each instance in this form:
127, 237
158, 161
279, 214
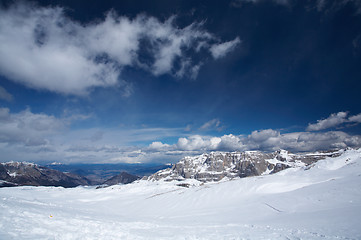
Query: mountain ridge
31, 174
215, 166
207, 167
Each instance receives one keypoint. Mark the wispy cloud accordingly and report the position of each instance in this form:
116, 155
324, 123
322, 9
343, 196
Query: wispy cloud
222, 49
214, 124
42, 48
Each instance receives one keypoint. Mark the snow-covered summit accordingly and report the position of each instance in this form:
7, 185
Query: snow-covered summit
215, 166
18, 164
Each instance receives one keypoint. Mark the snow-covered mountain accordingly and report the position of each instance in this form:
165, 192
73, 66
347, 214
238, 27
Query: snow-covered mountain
318, 201
30, 174
218, 165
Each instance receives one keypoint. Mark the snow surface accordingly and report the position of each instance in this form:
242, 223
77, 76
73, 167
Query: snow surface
318, 202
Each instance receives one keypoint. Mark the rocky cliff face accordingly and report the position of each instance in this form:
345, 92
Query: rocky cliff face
217, 165
29, 174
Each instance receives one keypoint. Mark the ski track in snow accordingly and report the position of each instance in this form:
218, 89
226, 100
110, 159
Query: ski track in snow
323, 202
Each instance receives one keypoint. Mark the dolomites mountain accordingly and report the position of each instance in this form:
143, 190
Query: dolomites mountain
218, 165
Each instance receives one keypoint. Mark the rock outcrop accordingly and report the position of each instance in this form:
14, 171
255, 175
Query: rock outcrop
122, 178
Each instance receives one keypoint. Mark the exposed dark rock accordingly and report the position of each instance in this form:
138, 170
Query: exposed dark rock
122, 178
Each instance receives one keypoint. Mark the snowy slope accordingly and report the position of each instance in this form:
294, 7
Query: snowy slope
321, 201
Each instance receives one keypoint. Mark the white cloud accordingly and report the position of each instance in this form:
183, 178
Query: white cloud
158, 146
333, 120
191, 143
42, 48
262, 135
5, 95
230, 143
304, 141
356, 118
222, 49
265, 140
37, 136
27, 128
200, 143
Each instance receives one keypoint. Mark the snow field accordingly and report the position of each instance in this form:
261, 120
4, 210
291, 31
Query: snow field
321, 202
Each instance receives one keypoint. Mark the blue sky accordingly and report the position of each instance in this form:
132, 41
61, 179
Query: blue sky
152, 81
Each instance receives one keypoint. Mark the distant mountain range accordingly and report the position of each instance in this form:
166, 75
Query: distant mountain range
22, 173
30, 174
207, 167
99, 173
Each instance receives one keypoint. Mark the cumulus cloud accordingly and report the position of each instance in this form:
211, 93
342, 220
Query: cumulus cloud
265, 140
5, 95
158, 146
42, 48
195, 142
230, 142
222, 49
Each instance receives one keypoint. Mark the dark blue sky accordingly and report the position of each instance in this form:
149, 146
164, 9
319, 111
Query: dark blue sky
129, 81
